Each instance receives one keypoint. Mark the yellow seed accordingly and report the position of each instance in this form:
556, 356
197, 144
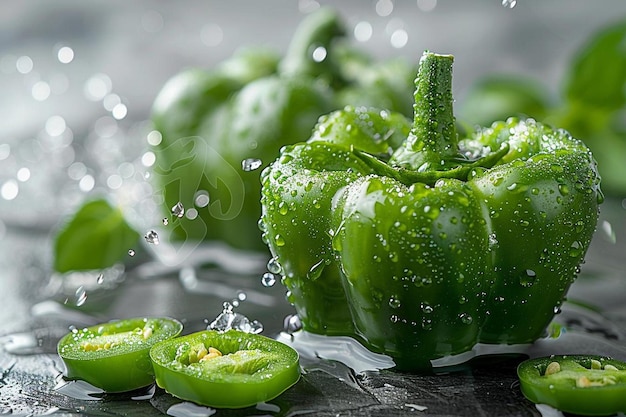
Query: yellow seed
553, 368
583, 382
595, 364
107, 345
210, 356
88, 347
609, 367
147, 332
213, 350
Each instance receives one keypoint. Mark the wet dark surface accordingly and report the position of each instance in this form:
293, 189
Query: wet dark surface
137, 46
35, 316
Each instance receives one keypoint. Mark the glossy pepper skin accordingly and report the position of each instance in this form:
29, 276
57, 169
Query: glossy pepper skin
421, 244
247, 108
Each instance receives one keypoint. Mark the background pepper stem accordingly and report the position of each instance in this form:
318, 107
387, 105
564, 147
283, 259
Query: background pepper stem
434, 133
319, 30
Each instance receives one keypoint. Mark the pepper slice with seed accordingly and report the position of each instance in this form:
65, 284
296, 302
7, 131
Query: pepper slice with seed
115, 356
580, 384
229, 369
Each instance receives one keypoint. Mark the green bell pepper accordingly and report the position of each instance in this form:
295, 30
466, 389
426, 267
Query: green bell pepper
420, 244
246, 109
580, 384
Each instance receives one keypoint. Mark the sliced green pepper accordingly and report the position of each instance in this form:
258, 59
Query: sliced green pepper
587, 385
424, 248
115, 356
226, 370
246, 109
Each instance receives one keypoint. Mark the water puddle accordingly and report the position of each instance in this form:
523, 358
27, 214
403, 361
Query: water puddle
78, 390
188, 409
576, 330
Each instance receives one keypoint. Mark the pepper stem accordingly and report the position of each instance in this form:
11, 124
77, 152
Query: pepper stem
310, 45
434, 132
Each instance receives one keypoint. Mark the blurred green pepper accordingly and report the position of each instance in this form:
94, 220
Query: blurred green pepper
220, 123
420, 244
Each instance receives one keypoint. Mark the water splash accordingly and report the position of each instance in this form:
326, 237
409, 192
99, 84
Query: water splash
79, 390
131, 252
230, 320
346, 350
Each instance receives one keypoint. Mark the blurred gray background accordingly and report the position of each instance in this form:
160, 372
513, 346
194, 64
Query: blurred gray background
78, 78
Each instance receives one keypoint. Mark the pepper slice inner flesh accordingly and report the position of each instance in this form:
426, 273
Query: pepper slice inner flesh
225, 369
586, 385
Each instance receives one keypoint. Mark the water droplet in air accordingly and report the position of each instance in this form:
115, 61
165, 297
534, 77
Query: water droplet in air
274, 266
509, 4
609, 233
100, 278
152, 237
178, 210
241, 296
166, 221
250, 164
268, 279
81, 296
201, 199
319, 54
131, 252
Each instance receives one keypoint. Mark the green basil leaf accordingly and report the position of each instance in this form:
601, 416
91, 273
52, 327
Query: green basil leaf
96, 237
598, 73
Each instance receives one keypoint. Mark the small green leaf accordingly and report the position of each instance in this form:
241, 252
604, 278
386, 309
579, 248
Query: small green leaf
598, 73
96, 237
